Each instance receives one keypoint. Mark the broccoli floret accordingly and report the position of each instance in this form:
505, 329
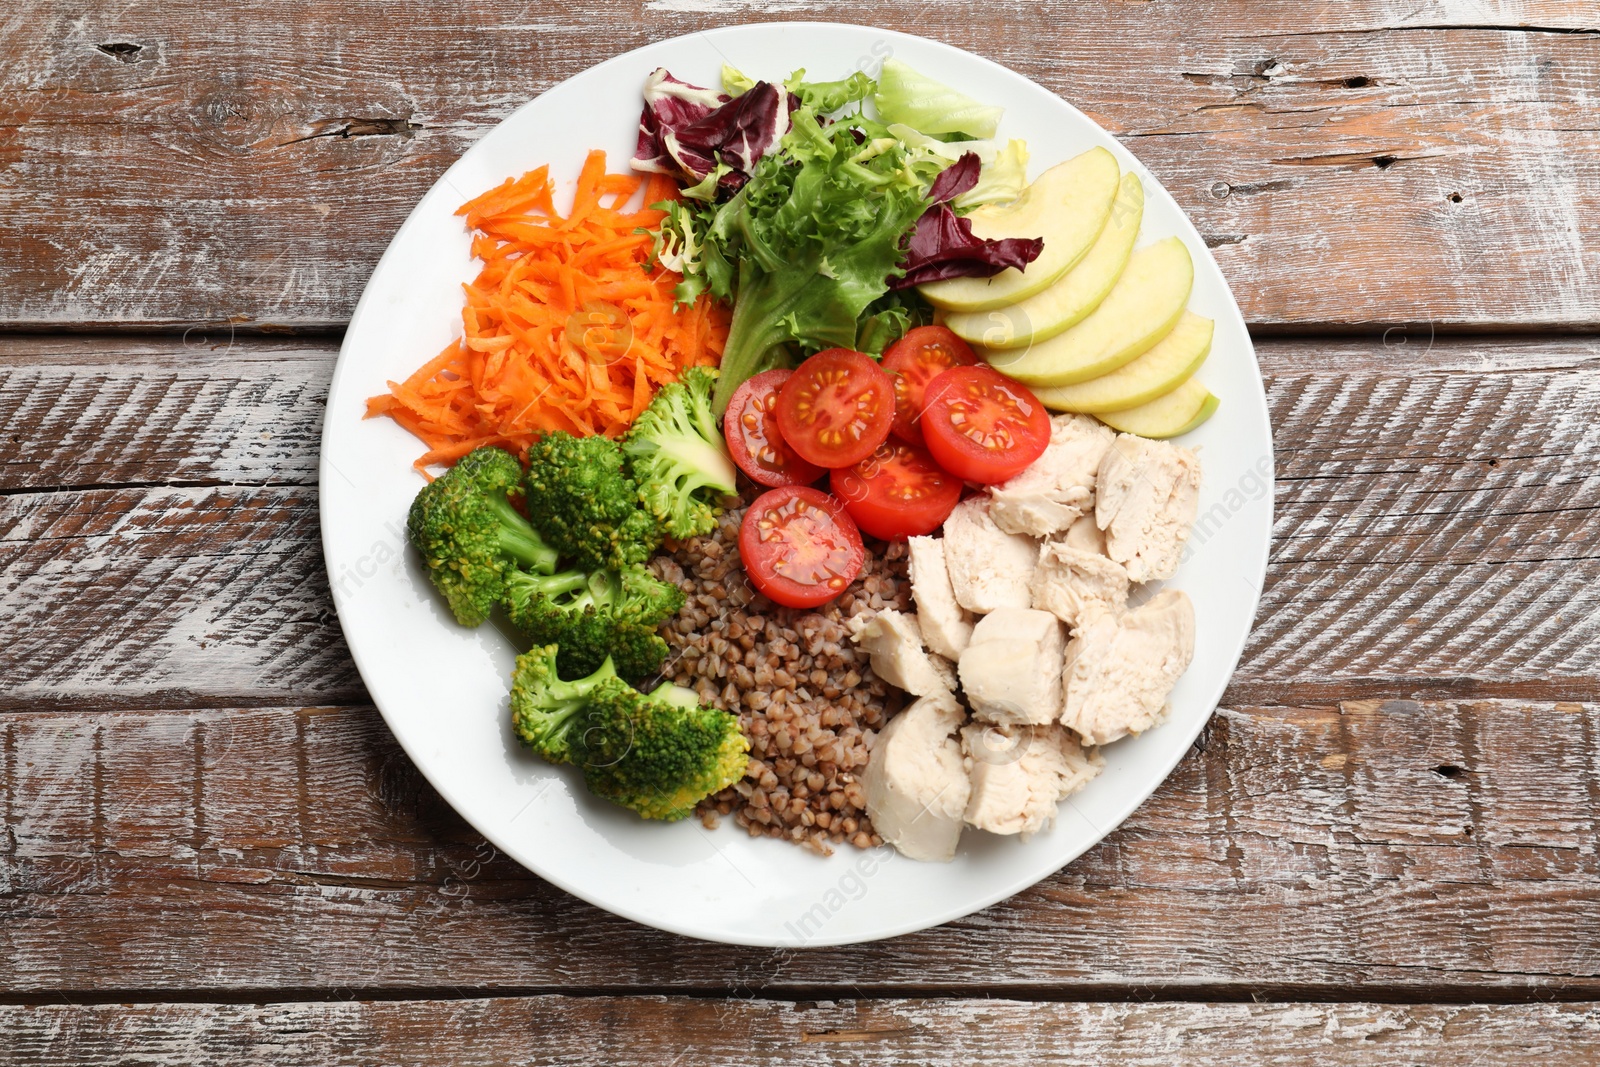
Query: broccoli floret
545, 709
470, 536
677, 455
660, 754
647, 598
586, 505
595, 614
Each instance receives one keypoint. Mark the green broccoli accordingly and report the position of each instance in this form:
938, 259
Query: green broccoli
677, 455
586, 505
470, 535
659, 754
595, 614
544, 709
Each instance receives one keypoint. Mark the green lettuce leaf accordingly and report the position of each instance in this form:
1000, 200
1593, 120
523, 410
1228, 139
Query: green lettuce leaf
907, 96
807, 245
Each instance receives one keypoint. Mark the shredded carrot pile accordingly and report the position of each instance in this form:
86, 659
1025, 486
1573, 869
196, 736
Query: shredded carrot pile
564, 328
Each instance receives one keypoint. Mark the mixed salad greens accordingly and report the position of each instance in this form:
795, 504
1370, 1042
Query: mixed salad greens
813, 218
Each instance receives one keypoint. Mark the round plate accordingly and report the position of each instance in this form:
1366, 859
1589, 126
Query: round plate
443, 689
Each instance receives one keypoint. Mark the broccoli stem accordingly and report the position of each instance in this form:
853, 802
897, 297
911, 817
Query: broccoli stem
710, 465
520, 541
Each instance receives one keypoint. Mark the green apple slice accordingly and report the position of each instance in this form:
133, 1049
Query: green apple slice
1140, 310
1075, 295
1158, 372
1067, 205
1172, 415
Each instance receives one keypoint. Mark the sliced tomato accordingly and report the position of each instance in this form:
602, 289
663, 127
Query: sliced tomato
751, 426
897, 492
981, 426
799, 546
836, 408
915, 360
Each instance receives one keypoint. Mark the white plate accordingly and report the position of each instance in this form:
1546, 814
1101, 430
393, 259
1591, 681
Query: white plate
442, 688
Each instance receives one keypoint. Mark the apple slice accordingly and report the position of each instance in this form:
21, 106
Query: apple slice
1158, 372
1140, 310
1078, 292
1067, 205
1172, 415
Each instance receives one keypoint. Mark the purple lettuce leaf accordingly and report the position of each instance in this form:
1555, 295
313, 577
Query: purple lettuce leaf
669, 105
687, 131
942, 244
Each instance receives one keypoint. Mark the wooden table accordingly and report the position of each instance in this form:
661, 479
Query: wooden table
1382, 851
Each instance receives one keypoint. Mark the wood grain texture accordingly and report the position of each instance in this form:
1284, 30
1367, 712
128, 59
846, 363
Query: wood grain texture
657, 1031
1394, 848
1434, 523
1371, 161
203, 409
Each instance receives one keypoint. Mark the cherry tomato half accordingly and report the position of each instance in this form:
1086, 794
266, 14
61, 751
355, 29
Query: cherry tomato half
836, 408
751, 426
799, 546
898, 491
915, 360
981, 426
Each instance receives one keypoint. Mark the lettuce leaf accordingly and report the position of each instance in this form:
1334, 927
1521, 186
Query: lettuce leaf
943, 245
916, 100
807, 245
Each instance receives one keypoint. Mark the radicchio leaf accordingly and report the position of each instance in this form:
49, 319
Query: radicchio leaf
942, 245
687, 131
669, 105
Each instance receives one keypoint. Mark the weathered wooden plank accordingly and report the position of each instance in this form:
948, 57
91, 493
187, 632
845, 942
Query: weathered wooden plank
205, 408
1360, 162
652, 1031
1434, 523
167, 593
1423, 849
226, 407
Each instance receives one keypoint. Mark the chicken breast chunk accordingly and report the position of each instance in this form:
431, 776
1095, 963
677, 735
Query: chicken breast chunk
1020, 774
1119, 671
946, 627
1086, 536
916, 783
988, 567
1011, 672
1050, 494
1146, 497
893, 640
1075, 586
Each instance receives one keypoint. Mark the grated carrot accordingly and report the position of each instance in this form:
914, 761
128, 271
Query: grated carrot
562, 329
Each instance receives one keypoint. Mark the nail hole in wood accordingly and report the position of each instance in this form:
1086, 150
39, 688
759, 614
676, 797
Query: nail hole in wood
1454, 198
1359, 81
1448, 770
1384, 162
122, 51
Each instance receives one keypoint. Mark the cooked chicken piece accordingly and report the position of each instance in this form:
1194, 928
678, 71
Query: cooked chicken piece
945, 626
894, 642
1119, 671
1075, 585
916, 785
988, 567
1011, 672
1020, 773
1050, 494
1146, 498
1086, 536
